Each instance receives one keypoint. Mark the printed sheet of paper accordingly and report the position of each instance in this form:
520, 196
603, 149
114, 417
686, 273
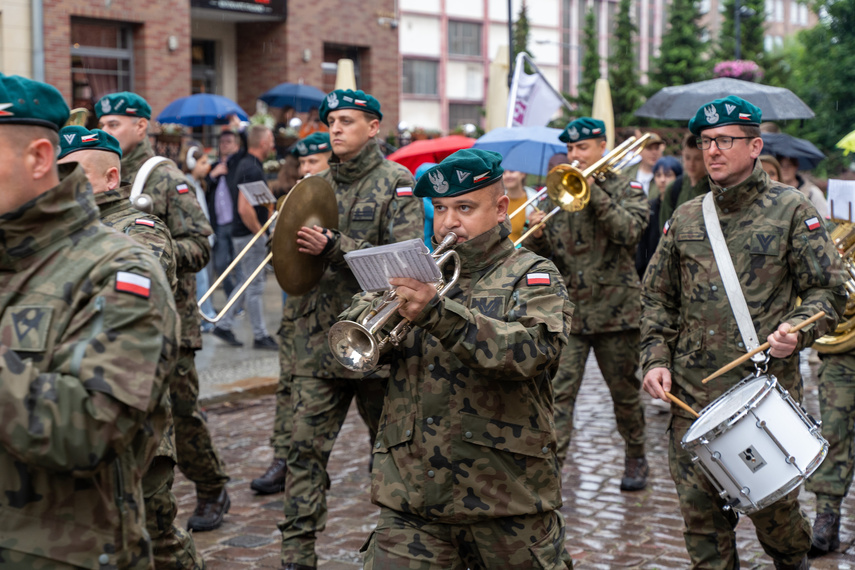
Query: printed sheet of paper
257, 193
841, 199
373, 267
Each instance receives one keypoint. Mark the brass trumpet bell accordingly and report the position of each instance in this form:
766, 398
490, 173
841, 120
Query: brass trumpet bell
567, 188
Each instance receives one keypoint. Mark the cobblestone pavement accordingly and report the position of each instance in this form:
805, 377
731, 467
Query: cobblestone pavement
606, 528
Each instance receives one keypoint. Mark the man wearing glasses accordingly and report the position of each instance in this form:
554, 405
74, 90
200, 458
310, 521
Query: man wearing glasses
780, 251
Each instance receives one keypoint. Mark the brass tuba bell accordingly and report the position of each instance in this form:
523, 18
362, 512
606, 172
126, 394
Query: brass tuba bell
842, 339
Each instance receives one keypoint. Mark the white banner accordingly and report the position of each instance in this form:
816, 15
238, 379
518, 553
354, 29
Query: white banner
533, 101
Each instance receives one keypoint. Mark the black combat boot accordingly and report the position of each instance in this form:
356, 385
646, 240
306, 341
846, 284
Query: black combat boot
209, 512
804, 564
273, 480
826, 534
634, 474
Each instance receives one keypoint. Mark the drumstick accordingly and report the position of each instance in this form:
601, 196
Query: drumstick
760, 348
681, 403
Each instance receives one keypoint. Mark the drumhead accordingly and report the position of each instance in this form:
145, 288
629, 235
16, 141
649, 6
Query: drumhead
728, 406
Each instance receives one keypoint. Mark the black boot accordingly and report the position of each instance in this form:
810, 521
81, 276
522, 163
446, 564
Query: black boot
209, 512
273, 480
804, 564
634, 474
826, 534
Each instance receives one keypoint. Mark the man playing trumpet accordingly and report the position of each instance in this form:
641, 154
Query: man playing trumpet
465, 470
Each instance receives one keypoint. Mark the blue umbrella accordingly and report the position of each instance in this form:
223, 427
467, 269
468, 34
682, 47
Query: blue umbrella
301, 97
526, 149
201, 109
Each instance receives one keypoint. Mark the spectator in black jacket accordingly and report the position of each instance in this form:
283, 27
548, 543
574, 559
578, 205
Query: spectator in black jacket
221, 207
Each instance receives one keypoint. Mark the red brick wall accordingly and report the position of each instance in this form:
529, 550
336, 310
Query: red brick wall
159, 75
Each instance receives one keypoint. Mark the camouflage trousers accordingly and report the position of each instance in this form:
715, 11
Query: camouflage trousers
782, 528
617, 355
319, 408
172, 545
280, 441
832, 480
14, 560
404, 540
197, 458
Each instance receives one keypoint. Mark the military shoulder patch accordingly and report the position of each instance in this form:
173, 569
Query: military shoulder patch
812, 223
182, 188
127, 282
537, 279
144, 222
404, 191
666, 228
636, 184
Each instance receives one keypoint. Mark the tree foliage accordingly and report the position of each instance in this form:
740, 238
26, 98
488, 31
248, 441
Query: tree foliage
623, 73
522, 32
590, 65
752, 24
680, 59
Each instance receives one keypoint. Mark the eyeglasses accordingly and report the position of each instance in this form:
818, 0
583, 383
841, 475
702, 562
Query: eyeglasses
723, 143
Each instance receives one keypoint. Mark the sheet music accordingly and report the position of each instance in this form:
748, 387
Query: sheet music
257, 193
841, 198
373, 267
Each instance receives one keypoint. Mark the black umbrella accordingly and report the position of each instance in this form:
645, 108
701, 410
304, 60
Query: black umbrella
681, 102
784, 145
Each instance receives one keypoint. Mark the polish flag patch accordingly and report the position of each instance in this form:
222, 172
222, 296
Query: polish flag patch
4, 112
481, 177
128, 282
812, 223
182, 188
745, 116
89, 138
360, 102
537, 279
404, 191
144, 222
665, 229
637, 185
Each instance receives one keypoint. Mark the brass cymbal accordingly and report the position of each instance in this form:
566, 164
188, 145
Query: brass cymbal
311, 202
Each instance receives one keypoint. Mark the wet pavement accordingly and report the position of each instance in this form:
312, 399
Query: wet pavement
607, 528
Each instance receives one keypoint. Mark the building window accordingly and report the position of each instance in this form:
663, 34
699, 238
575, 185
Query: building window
460, 114
420, 77
464, 38
101, 60
203, 63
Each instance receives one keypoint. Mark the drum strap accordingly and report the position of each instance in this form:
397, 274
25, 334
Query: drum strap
735, 295
143, 174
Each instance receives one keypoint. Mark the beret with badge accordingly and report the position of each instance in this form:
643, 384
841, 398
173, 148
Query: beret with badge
582, 129
27, 102
348, 99
463, 172
123, 103
315, 143
74, 138
731, 110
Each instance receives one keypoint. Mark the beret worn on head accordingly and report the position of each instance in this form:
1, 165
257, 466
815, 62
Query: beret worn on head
464, 171
581, 129
74, 138
27, 102
315, 143
123, 103
731, 110
349, 99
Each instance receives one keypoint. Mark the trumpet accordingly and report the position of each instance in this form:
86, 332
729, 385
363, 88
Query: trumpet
358, 345
567, 186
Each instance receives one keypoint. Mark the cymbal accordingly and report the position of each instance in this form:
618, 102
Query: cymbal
311, 202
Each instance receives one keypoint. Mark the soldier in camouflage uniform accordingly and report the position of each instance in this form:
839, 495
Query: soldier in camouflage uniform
100, 155
595, 251
125, 116
465, 471
780, 252
88, 335
376, 206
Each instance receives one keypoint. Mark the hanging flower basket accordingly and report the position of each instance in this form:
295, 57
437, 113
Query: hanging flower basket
743, 69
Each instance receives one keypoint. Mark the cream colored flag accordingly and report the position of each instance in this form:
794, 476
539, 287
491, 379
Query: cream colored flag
497, 90
604, 111
345, 77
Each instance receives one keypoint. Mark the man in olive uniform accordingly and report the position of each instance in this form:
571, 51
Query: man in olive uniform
314, 153
465, 471
88, 335
595, 251
125, 116
780, 252
100, 155
376, 206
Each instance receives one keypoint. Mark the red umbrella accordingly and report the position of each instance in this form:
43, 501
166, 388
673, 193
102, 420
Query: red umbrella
431, 150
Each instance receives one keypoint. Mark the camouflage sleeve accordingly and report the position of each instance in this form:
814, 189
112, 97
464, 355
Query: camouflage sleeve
542, 245
660, 301
159, 242
624, 213
186, 221
665, 209
523, 343
819, 273
107, 375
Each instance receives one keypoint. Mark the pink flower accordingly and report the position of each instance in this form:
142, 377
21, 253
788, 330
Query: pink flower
739, 69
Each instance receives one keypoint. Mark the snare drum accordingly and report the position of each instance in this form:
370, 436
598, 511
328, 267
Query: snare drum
755, 444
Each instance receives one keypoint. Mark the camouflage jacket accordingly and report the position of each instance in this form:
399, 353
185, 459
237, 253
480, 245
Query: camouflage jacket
684, 193
595, 252
88, 333
375, 207
466, 432
175, 203
780, 251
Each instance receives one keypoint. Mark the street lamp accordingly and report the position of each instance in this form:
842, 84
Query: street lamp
740, 11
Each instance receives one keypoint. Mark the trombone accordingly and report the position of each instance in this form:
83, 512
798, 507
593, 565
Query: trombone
357, 345
567, 186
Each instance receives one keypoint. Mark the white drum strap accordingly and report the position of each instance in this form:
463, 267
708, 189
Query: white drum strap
143, 174
735, 295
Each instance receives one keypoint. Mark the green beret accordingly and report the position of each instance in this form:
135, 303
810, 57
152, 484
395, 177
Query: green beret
464, 171
123, 103
315, 143
582, 129
731, 110
348, 99
27, 102
74, 138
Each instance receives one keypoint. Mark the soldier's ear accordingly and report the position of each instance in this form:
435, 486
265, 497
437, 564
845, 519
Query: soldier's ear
113, 178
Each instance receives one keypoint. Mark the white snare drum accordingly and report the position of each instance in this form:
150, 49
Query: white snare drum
755, 444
